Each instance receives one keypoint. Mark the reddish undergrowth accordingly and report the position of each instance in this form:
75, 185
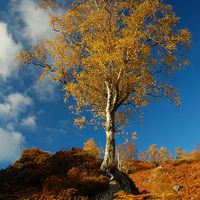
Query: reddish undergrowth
68, 174
74, 174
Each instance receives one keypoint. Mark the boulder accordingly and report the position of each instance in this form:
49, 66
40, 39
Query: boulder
156, 169
118, 181
177, 188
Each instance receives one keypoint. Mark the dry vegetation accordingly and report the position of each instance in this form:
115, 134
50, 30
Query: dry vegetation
74, 174
185, 173
68, 174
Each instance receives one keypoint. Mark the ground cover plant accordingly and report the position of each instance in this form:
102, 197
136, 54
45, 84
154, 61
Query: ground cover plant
40, 175
75, 174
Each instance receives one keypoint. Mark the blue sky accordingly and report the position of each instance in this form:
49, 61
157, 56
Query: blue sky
36, 116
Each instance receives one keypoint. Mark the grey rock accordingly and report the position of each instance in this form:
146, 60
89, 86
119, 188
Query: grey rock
121, 181
177, 188
169, 173
146, 181
156, 169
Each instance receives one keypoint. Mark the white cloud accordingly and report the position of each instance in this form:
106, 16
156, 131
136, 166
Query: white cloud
28, 26
48, 139
10, 126
13, 105
65, 123
46, 91
56, 131
19, 101
11, 145
40, 112
36, 21
8, 50
29, 122
4, 109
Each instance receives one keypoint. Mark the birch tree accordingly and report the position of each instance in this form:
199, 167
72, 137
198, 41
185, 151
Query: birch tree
153, 153
181, 154
91, 147
113, 57
125, 154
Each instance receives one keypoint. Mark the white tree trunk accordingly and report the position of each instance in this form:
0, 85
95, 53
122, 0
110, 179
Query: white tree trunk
109, 156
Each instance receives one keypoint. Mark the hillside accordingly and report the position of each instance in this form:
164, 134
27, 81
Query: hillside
74, 174
40, 175
152, 180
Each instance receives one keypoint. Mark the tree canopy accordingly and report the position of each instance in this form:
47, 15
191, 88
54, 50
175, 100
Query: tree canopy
113, 57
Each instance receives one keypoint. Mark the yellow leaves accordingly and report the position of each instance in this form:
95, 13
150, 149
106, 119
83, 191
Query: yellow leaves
164, 155
45, 4
155, 155
123, 195
125, 154
98, 43
80, 122
195, 154
134, 136
22, 58
180, 154
185, 38
91, 147
153, 152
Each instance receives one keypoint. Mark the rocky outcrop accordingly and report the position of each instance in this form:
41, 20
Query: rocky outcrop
118, 181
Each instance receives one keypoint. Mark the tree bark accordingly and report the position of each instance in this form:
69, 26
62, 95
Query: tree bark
109, 156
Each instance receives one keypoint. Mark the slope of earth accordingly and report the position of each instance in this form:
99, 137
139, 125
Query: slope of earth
39, 175
74, 174
68, 175
156, 182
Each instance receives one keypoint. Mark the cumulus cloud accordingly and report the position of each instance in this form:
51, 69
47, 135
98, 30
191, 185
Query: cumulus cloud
36, 22
13, 105
27, 26
11, 145
10, 126
29, 122
8, 50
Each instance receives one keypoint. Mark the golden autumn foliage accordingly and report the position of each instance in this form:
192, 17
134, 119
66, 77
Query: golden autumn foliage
100, 44
153, 153
91, 147
143, 155
156, 155
126, 154
113, 58
67, 174
186, 174
122, 195
195, 154
75, 174
164, 155
180, 153
33, 155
